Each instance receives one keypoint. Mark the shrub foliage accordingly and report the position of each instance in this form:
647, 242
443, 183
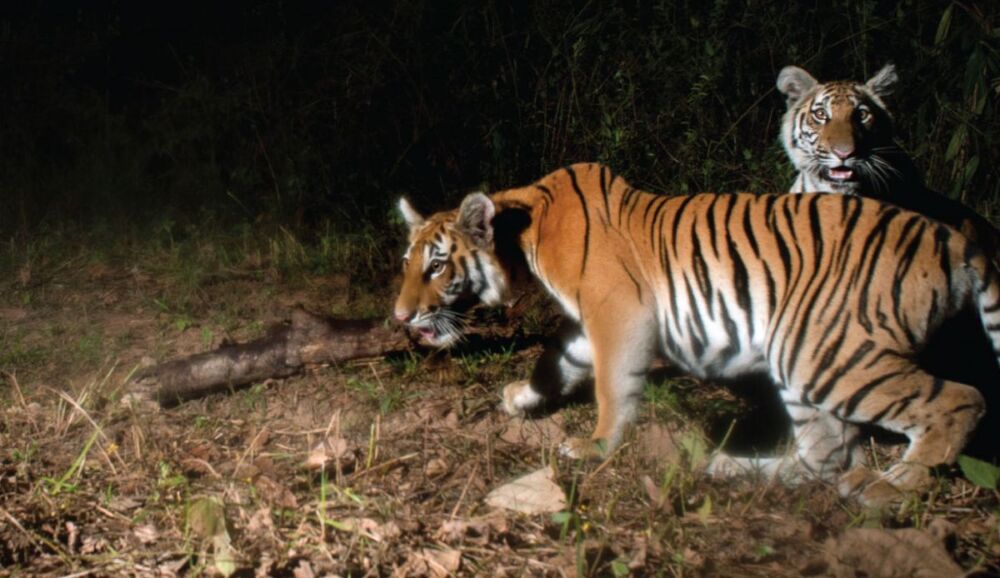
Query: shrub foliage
242, 110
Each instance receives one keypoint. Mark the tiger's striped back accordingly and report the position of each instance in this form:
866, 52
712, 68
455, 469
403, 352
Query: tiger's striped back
728, 274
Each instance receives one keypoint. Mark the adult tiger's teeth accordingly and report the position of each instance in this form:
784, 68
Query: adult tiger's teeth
840, 174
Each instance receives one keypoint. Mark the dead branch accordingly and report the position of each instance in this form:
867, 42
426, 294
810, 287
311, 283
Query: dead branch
287, 350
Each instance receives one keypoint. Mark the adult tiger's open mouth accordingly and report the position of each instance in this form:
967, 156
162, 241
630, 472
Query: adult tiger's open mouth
838, 174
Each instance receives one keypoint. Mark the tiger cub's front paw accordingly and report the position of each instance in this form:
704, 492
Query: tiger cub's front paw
584, 448
519, 398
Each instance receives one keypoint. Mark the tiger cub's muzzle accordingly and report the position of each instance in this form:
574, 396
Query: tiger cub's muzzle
435, 325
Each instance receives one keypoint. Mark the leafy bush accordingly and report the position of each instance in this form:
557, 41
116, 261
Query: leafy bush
305, 115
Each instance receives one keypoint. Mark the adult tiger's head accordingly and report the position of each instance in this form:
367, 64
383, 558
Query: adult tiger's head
449, 266
839, 135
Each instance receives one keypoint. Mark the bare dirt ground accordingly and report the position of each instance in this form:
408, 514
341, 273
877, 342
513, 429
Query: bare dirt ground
382, 467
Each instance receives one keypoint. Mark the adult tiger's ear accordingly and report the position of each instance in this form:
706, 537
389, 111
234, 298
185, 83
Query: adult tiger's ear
410, 215
794, 83
475, 219
881, 83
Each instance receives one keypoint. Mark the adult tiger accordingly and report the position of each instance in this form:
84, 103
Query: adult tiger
840, 137
828, 295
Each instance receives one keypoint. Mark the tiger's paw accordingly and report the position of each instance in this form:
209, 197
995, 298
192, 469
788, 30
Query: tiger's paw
584, 448
880, 494
879, 490
788, 469
908, 476
723, 466
854, 480
519, 398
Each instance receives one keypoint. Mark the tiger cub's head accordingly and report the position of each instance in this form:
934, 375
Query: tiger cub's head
839, 134
448, 267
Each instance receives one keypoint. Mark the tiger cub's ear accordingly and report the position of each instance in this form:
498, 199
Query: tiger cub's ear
475, 219
794, 83
410, 215
881, 83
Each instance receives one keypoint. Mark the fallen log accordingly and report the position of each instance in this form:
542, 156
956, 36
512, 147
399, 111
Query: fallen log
307, 340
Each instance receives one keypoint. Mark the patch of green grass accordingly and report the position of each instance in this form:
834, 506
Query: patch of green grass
763, 551
408, 366
487, 365
170, 484
662, 398
175, 314
386, 398
17, 354
67, 482
207, 337
89, 346
691, 399
203, 422
252, 398
24, 456
364, 253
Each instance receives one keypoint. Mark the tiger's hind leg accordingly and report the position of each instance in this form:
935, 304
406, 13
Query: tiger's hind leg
935, 414
824, 447
565, 363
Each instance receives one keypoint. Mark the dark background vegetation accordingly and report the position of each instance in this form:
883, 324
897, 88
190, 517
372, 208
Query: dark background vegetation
169, 116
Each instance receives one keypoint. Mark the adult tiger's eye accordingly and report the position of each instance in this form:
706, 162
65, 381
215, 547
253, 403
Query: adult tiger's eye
819, 114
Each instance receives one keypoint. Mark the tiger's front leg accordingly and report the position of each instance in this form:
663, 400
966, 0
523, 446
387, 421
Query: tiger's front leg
566, 362
624, 343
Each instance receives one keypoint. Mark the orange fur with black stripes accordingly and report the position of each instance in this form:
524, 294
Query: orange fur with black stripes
829, 295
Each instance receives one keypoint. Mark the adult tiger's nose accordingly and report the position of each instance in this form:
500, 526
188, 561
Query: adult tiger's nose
843, 151
402, 315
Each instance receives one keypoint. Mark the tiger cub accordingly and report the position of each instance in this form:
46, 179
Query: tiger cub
830, 296
840, 137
